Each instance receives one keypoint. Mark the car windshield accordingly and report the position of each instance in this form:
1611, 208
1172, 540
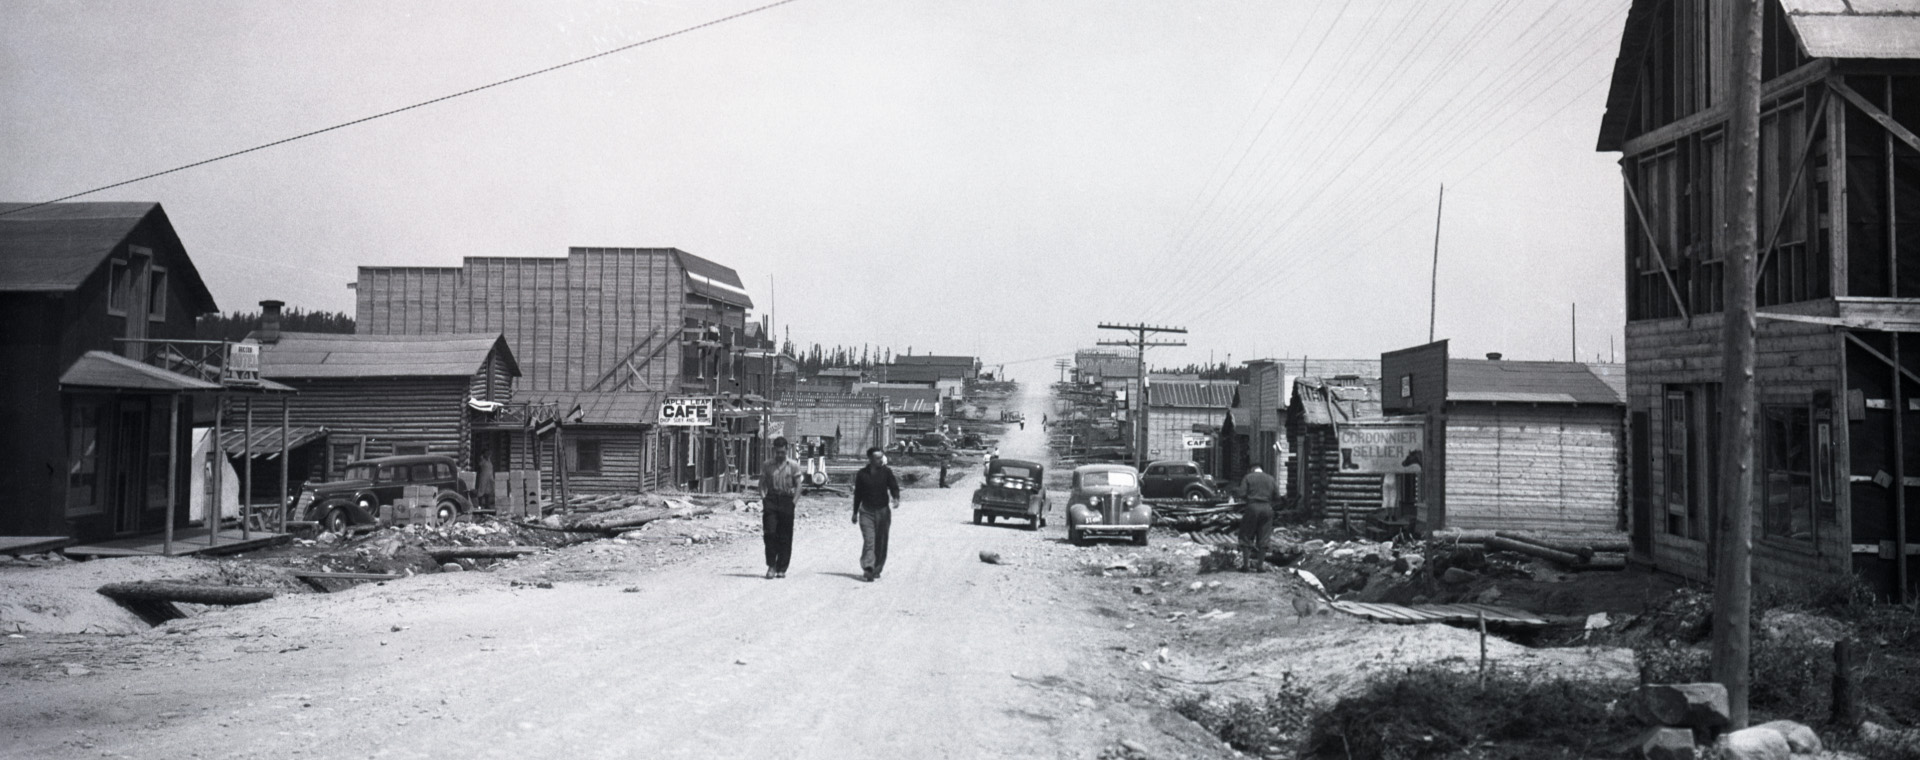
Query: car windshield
1023, 473
1113, 478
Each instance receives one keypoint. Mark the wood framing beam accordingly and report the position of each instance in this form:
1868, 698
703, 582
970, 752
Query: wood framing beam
1712, 117
1634, 198
1875, 353
1806, 154
625, 361
1873, 112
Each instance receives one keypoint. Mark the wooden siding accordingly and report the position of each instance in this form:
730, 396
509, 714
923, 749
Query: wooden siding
568, 320
1534, 467
1793, 360
623, 461
1427, 366
384, 412
1166, 426
494, 381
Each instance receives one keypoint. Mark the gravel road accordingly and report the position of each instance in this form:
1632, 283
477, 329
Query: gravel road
946, 656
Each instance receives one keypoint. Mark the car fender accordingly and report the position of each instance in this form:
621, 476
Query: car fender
347, 502
464, 504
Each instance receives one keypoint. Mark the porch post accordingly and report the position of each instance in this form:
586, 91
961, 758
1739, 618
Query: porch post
218, 458
286, 499
173, 471
246, 487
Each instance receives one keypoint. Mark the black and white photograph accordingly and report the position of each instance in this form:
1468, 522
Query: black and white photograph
1080, 379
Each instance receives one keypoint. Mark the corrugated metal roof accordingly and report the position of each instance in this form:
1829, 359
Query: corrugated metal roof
316, 355
1205, 394
100, 369
910, 373
713, 280
266, 440
601, 407
1338, 401
1529, 382
54, 248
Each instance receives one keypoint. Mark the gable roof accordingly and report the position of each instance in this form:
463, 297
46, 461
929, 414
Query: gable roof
712, 280
331, 355
1527, 382
54, 248
1872, 29
601, 407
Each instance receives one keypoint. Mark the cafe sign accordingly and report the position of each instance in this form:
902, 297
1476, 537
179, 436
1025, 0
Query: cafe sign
687, 411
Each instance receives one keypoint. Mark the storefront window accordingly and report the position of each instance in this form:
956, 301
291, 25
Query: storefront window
1789, 473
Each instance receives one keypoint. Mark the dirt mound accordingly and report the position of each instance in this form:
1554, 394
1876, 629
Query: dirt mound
48, 594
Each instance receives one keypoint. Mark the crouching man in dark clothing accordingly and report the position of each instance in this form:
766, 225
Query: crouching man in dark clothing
876, 492
779, 481
1256, 523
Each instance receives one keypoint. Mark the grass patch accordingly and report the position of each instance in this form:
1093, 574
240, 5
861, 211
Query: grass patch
1270, 726
1430, 712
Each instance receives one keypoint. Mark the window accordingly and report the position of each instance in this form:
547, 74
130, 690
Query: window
409, 449
583, 456
1789, 473
1678, 471
83, 458
1406, 387
119, 287
387, 474
426, 473
157, 295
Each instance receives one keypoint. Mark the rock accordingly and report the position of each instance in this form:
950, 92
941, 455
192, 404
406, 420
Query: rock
1664, 743
1142, 590
77, 670
1489, 595
990, 557
1687, 705
1753, 744
1800, 739
1455, 575
1800, 626
1196, 586
451, 567
1133, 746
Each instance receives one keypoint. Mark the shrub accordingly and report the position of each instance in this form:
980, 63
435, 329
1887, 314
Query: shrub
1428, 712
1261, 727
1790, 679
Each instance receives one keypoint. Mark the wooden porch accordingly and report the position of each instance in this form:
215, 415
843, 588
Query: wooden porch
185, 541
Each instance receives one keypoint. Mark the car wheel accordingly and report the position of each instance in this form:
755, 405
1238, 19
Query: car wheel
992, 519
336, 521
445, 513
1076, 537
1198, 494
977, 519
1140, 539
1033, 523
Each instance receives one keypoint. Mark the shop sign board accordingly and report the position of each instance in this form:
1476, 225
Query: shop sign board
687, 411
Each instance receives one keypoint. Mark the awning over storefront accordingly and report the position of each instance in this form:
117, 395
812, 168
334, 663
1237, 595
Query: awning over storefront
101, 370
266, 440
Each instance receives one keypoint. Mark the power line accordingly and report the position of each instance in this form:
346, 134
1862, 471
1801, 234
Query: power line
421, 104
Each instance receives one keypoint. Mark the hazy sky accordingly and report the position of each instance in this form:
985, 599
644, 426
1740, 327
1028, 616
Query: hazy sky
991, 177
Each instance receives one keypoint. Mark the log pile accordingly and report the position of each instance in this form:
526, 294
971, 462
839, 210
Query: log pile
1572, 551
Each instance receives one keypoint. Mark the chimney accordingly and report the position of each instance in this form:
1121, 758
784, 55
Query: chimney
270, 321
1493, 356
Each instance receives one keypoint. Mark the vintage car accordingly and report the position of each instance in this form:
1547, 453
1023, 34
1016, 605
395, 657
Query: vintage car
1176, 479
1106, 501
1013, 488
355, 499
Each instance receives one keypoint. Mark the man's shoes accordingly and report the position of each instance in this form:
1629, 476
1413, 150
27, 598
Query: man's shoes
780, 574
770, 574
867, 574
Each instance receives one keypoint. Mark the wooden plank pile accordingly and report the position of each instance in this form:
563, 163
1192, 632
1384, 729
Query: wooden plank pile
1575, 551
1440, 613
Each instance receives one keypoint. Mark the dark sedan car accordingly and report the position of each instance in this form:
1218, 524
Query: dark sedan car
1013, 488
355, 499
1176, 479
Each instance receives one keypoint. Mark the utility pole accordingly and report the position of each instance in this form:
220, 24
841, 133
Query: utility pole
1433, 282
1733, 578
1062, 365
1141, 344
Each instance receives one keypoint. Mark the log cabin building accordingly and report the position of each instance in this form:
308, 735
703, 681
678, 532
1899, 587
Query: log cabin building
1838, 284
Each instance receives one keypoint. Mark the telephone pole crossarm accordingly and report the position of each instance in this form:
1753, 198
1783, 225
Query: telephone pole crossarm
1140, 344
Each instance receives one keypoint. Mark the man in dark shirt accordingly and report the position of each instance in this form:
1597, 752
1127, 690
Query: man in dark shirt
779, 481
876, 492
1256, 523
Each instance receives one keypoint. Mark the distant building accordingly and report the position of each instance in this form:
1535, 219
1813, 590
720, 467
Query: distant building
1510, 445
1175, 408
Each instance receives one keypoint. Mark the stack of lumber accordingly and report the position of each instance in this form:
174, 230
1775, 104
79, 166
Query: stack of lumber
1575, 551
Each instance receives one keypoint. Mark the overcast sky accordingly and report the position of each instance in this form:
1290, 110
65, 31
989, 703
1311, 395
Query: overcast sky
992, 177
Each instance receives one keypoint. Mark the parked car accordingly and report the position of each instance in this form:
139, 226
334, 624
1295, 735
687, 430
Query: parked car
1176, 479
1013, 488
1106, 501
355, 499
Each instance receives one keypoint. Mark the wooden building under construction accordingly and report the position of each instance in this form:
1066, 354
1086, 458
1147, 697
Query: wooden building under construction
1838, 284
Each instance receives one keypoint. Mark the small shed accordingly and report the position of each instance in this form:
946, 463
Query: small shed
1513, 445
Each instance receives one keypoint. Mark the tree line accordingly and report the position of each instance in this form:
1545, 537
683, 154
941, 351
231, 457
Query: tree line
237, 325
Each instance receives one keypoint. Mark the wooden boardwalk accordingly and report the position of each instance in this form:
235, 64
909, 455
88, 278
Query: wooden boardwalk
18, 545
1440, 613
185, 541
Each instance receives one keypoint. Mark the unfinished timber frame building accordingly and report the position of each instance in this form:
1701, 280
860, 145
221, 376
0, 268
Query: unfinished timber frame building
1838, 472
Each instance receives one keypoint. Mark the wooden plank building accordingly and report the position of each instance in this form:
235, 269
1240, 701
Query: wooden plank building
1838, 359
1510, 445
1316, 411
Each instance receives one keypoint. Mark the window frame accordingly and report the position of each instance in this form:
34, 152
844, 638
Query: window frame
578, 446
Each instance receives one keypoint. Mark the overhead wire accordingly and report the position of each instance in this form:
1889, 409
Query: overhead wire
403, 109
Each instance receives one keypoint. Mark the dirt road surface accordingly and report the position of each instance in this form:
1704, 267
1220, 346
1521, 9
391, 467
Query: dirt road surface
946, 656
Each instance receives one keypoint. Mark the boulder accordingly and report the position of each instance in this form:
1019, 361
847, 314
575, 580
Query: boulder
989, 557
1800, 739
1664, 743
1458, 576
1685, 705
1753, 744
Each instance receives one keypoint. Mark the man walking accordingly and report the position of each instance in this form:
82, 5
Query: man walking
1256, 523
876, 492
779, 481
